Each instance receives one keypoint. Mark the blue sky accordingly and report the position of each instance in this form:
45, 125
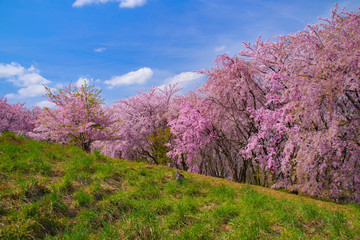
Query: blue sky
125, 45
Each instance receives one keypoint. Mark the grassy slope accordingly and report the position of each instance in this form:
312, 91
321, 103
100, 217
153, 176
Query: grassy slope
59, 192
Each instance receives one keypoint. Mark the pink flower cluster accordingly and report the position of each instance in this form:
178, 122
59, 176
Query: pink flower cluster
16, 117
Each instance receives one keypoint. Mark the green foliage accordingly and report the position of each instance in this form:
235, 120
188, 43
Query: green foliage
158, 148
50, 191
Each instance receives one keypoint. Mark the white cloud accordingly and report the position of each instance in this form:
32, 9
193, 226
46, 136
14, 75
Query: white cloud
132, 3
60, 85
99, 50
82, 80
137, 77
10, 70
220, 48
32, 91
80, 3
45, 103
29, 91
183, 79
123, 3
10, 96
30, 81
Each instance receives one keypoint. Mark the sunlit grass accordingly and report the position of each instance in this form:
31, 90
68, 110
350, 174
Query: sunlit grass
50, 191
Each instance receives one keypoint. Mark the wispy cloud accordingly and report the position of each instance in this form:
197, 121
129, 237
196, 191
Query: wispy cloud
29, 80
45, 103
183, 79
122, 3
220, 49
81, 3
136, 77
131, 3
99, 50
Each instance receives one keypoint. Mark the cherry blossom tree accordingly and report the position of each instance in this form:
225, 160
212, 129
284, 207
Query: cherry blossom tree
213, 133
16, 117
193, 134
142, 126
314, 126
80, 117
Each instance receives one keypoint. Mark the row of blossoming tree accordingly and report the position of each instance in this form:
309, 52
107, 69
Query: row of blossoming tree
283, 114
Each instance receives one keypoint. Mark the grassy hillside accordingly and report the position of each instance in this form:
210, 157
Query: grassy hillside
59, 192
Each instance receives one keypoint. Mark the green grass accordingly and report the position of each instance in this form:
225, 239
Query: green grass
50, 191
